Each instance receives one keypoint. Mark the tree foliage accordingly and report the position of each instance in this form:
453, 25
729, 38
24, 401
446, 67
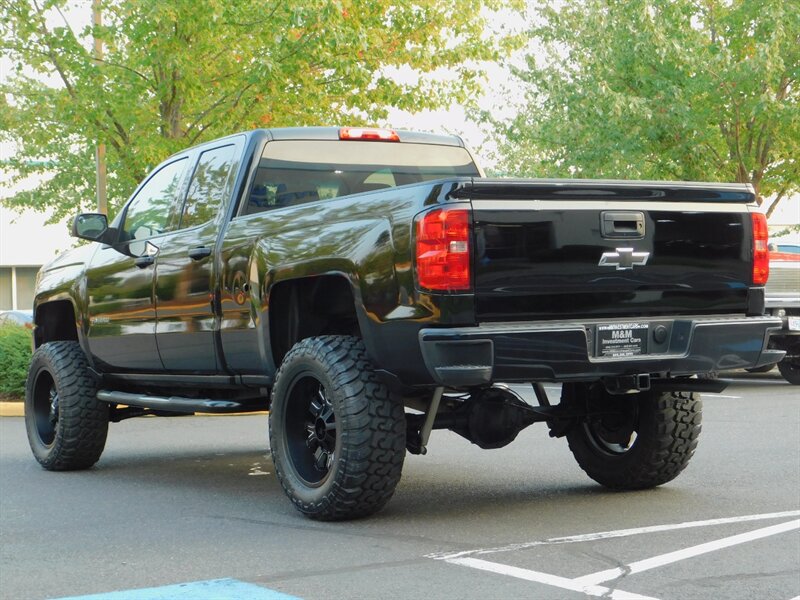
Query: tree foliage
662, 89
178, 72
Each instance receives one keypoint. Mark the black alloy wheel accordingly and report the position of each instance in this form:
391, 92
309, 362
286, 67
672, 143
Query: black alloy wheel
45, 408
310, 430
613, 434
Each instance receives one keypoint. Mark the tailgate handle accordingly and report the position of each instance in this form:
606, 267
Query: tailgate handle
621, 225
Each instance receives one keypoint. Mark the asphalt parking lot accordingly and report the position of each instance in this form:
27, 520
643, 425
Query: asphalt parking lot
195, 501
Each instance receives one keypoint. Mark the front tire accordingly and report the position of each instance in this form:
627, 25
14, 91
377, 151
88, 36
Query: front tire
66, 424
336, 432
648, 442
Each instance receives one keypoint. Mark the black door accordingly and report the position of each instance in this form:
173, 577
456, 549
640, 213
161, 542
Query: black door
186, 267
121, 307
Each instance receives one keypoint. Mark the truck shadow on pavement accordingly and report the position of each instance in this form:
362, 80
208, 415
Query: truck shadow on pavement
244, 481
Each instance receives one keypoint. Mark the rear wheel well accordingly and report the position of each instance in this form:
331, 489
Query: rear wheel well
309, 307
55, 321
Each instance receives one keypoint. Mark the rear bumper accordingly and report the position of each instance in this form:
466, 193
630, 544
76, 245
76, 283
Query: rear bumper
566, 351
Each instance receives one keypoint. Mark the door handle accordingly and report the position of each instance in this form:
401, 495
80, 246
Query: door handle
199, 253
144, 261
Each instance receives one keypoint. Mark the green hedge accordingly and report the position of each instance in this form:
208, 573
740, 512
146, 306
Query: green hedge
15, 356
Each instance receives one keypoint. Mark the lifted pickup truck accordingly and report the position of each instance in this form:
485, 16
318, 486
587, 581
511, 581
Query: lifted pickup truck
368, 286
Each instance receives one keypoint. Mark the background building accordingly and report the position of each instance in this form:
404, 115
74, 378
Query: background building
26, 243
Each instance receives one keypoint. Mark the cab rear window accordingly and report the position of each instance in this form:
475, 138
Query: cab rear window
293, 172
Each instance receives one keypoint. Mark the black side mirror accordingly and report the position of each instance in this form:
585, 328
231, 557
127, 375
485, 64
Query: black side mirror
91, 226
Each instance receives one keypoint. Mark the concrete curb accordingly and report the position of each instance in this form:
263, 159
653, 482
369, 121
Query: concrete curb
17, 409
12, 409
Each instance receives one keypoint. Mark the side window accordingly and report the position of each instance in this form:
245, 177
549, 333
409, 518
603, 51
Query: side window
208, 189
277, 188
148, 213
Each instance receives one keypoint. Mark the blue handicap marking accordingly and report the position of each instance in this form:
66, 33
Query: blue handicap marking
214, 589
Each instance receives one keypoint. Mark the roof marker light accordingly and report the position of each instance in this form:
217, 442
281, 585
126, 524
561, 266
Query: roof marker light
368, 134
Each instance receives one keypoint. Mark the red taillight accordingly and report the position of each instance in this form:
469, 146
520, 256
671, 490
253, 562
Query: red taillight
367, 133
760, 249
443, 256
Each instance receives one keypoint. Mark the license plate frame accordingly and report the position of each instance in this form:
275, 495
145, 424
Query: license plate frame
621, 340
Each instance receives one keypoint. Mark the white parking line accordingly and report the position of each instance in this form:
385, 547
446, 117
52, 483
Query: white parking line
672, 557
673, 526
547, 579
588, 584
588, 537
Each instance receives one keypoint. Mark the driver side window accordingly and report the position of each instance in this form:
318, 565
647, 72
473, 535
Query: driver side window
149, 212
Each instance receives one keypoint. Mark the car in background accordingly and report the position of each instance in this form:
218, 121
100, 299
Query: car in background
782, 252
783, 300
18, 317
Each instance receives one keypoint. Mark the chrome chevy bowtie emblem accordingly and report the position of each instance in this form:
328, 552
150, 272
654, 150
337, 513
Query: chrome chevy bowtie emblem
624, 259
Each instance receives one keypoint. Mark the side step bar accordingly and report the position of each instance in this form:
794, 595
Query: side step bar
175, 403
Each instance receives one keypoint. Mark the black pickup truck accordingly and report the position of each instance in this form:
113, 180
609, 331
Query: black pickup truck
368, 286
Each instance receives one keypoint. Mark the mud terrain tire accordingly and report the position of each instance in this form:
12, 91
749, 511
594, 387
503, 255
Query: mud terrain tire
336, 432
67, 425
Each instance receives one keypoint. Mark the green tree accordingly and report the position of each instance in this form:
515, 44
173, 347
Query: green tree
178, 72
662, 89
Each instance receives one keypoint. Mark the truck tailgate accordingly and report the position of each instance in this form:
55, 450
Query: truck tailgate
584, 249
